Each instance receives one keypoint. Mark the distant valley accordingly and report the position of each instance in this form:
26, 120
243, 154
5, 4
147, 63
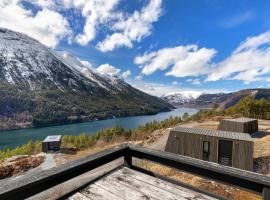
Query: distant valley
220, 100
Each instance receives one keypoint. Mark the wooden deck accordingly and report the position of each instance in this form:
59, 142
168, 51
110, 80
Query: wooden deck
123, 183
129, 184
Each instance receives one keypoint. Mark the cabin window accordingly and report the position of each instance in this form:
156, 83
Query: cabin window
206, 150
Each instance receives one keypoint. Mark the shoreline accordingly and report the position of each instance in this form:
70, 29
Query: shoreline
86, 121
13, 138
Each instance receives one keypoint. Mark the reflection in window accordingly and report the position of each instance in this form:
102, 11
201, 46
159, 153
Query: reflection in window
206, 150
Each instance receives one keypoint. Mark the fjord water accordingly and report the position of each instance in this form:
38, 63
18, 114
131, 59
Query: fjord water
15, 138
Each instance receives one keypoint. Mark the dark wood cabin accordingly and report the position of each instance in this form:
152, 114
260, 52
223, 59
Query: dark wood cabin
227, 148
243, 125
52, 143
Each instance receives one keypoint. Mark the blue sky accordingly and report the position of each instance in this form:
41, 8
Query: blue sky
157, 46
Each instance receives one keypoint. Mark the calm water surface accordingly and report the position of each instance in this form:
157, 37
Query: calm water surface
18, 137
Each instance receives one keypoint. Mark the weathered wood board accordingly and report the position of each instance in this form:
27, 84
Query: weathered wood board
129, 184
242, 125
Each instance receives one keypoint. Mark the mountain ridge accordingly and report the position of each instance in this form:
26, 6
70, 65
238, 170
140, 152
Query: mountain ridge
26, 61
181, 97
41, 87
220, 100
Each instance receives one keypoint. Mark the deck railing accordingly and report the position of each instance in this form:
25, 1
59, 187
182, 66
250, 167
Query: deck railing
30, 186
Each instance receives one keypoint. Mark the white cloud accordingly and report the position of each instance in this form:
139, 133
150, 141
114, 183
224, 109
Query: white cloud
47, 26
95, 12
249, 62
237, 19
126, 74
158, 89
139, 77
130, 28
44, 21
114, 41
175, 82
155, 89
185, 61
108, 69
86, 63
195, 81
254, 42
124, 28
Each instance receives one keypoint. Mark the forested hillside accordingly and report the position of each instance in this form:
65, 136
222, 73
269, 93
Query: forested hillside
41, 87
20, 107
246, 107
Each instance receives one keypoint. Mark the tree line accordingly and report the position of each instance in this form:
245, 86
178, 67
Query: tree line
83, 141
246, 107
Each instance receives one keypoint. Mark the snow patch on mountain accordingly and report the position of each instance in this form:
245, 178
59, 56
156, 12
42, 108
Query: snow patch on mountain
87, 70
78, 66
19, 59
181, 97
26, 61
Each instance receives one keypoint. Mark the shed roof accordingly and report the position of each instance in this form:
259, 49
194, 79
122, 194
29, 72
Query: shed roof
215, 133
53, 138
241, 120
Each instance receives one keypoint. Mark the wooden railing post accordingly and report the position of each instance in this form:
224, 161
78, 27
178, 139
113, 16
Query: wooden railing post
127, 159
29, 186
266, 193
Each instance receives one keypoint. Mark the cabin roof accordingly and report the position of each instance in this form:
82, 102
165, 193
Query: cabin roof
53, 138
215, 133
240, 120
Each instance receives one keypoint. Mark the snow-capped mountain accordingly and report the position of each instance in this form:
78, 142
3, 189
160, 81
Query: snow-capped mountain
26, 61
107, 82
40, 86
194, 98
222, 100
181, 97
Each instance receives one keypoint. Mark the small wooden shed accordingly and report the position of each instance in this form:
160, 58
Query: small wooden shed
227, 148
52, 143
243, 125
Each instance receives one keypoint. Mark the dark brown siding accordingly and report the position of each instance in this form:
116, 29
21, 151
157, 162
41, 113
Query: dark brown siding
242, 127
191, 145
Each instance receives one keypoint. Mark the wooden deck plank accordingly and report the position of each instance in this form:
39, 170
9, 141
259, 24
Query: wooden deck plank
78, 196
164, 185
125, 185
123, 191
128, 184
94, 192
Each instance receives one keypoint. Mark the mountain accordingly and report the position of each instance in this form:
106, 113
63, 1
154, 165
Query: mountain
234, 97
223, 100
39, 86
180, 98
210, 100
194, 99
